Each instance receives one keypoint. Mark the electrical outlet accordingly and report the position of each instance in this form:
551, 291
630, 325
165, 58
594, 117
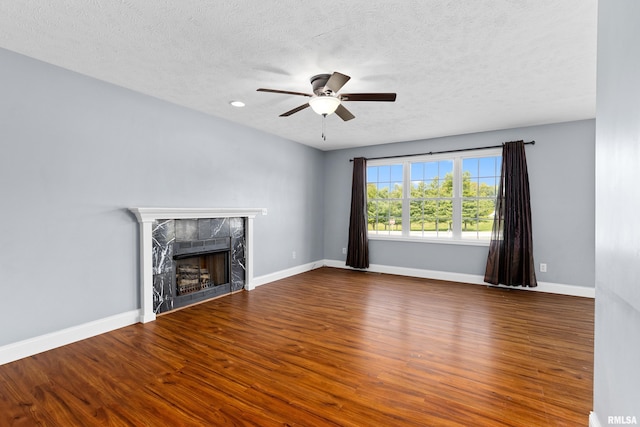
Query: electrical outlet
344, 251
293, 255
543, 267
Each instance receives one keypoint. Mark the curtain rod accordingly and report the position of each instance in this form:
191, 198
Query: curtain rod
443, 152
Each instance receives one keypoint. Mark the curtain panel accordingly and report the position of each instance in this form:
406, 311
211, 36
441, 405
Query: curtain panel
358, 247
510, 260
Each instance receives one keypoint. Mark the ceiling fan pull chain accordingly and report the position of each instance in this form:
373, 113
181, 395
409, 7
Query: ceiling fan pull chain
324, 135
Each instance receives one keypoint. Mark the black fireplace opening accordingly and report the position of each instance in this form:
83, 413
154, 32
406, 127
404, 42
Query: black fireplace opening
202, 270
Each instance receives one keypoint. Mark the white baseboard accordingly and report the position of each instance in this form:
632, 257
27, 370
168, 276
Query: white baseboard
31, 346
593, 420
283, 274
553, 288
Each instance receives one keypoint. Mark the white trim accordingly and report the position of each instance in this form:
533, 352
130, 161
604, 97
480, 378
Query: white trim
151, 214
593, 420
436, 240
31, 346
146, 272
283, 274
549, 287
146, 217
248, 255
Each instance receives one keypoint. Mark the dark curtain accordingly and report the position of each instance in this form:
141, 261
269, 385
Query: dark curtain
358, 248
510, 260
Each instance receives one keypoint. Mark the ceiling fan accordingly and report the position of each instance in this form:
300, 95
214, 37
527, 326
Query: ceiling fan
325, 98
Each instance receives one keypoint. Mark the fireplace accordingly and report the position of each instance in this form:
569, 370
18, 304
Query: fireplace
165, 230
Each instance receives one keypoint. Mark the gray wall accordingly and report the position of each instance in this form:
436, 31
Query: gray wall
617, 333
561, 177
76, 153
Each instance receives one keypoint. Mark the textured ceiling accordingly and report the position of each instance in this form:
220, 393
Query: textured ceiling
458, 66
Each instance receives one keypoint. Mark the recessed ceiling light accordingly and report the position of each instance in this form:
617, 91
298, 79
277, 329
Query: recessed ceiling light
237, 103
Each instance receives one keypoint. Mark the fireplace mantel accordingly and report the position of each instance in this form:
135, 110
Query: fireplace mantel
147, 216
152, 214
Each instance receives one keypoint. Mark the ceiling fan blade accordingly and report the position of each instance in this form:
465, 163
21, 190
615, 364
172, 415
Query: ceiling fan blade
286, 92
344, 114
386, 97
295, 110
336, 81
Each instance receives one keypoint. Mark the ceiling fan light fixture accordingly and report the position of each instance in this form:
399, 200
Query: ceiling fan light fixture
324, 105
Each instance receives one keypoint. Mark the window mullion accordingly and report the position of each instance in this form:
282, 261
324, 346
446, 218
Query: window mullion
406, 198
457, 198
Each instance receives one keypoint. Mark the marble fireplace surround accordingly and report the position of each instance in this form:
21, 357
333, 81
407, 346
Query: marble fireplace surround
147, 216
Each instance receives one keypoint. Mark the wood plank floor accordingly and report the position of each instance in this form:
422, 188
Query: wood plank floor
328, 347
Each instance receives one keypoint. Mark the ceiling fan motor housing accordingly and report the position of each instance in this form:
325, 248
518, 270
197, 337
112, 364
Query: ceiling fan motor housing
318, 82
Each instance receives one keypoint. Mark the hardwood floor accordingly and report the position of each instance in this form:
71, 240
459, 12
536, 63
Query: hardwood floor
327, 347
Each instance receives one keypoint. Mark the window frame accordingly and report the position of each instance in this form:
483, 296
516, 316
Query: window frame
457, 197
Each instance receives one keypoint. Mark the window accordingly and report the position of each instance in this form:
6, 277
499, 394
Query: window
440, 197
385, 198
